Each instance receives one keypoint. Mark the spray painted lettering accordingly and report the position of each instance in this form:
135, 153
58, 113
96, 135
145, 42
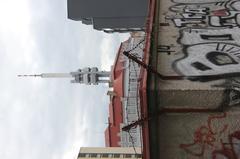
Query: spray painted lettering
210, 59
191, 36
210, 37
214, 14
232, 88
211, 140
164, 49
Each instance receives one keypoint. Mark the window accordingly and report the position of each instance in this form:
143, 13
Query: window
128, 156
93, 155
81, 155
104, 155
116, 155
138, 155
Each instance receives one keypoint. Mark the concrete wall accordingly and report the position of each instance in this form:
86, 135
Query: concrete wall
197, 38
200, 136
200, 38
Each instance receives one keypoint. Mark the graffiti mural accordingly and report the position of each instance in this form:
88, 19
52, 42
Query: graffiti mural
232, 89
209, 41
218, 52
210, 59
211, 140
209, 35
215, 14
191, 36
165, 49
209, 38
207, 45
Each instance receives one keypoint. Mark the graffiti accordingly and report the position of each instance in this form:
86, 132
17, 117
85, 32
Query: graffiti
209, 39
191, 16
216, 37
234, 5
221, 20
229, 150
234, 92
211, 140
191, 36
164, 24
220, 3
208, 49
232, 88
209, 34
164, 49
210, 59
218, 14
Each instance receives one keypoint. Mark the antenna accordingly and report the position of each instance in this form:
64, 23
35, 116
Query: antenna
39, 75
49, 75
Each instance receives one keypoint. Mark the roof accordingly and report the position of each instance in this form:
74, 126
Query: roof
112, 137
117, 73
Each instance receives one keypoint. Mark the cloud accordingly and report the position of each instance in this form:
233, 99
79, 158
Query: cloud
50, 118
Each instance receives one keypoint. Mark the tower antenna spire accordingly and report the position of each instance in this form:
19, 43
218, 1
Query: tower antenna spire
35, 75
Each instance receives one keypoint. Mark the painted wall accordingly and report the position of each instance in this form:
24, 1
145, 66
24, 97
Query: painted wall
200, 136
198, 38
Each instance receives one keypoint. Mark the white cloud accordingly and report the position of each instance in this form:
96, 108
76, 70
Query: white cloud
49, 118
109, 48
14, 16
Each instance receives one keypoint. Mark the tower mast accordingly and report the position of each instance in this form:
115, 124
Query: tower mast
49, 75
86, 75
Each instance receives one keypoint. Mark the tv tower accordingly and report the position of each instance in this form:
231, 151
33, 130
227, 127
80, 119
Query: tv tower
86, 75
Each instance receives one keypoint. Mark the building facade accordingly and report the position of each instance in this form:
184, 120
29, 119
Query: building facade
124, 107
109, 15
109, 153
198, 111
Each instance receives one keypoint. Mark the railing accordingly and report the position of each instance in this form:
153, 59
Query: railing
132, 113
142, 89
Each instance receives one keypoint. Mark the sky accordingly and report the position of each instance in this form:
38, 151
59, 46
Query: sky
50, 118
